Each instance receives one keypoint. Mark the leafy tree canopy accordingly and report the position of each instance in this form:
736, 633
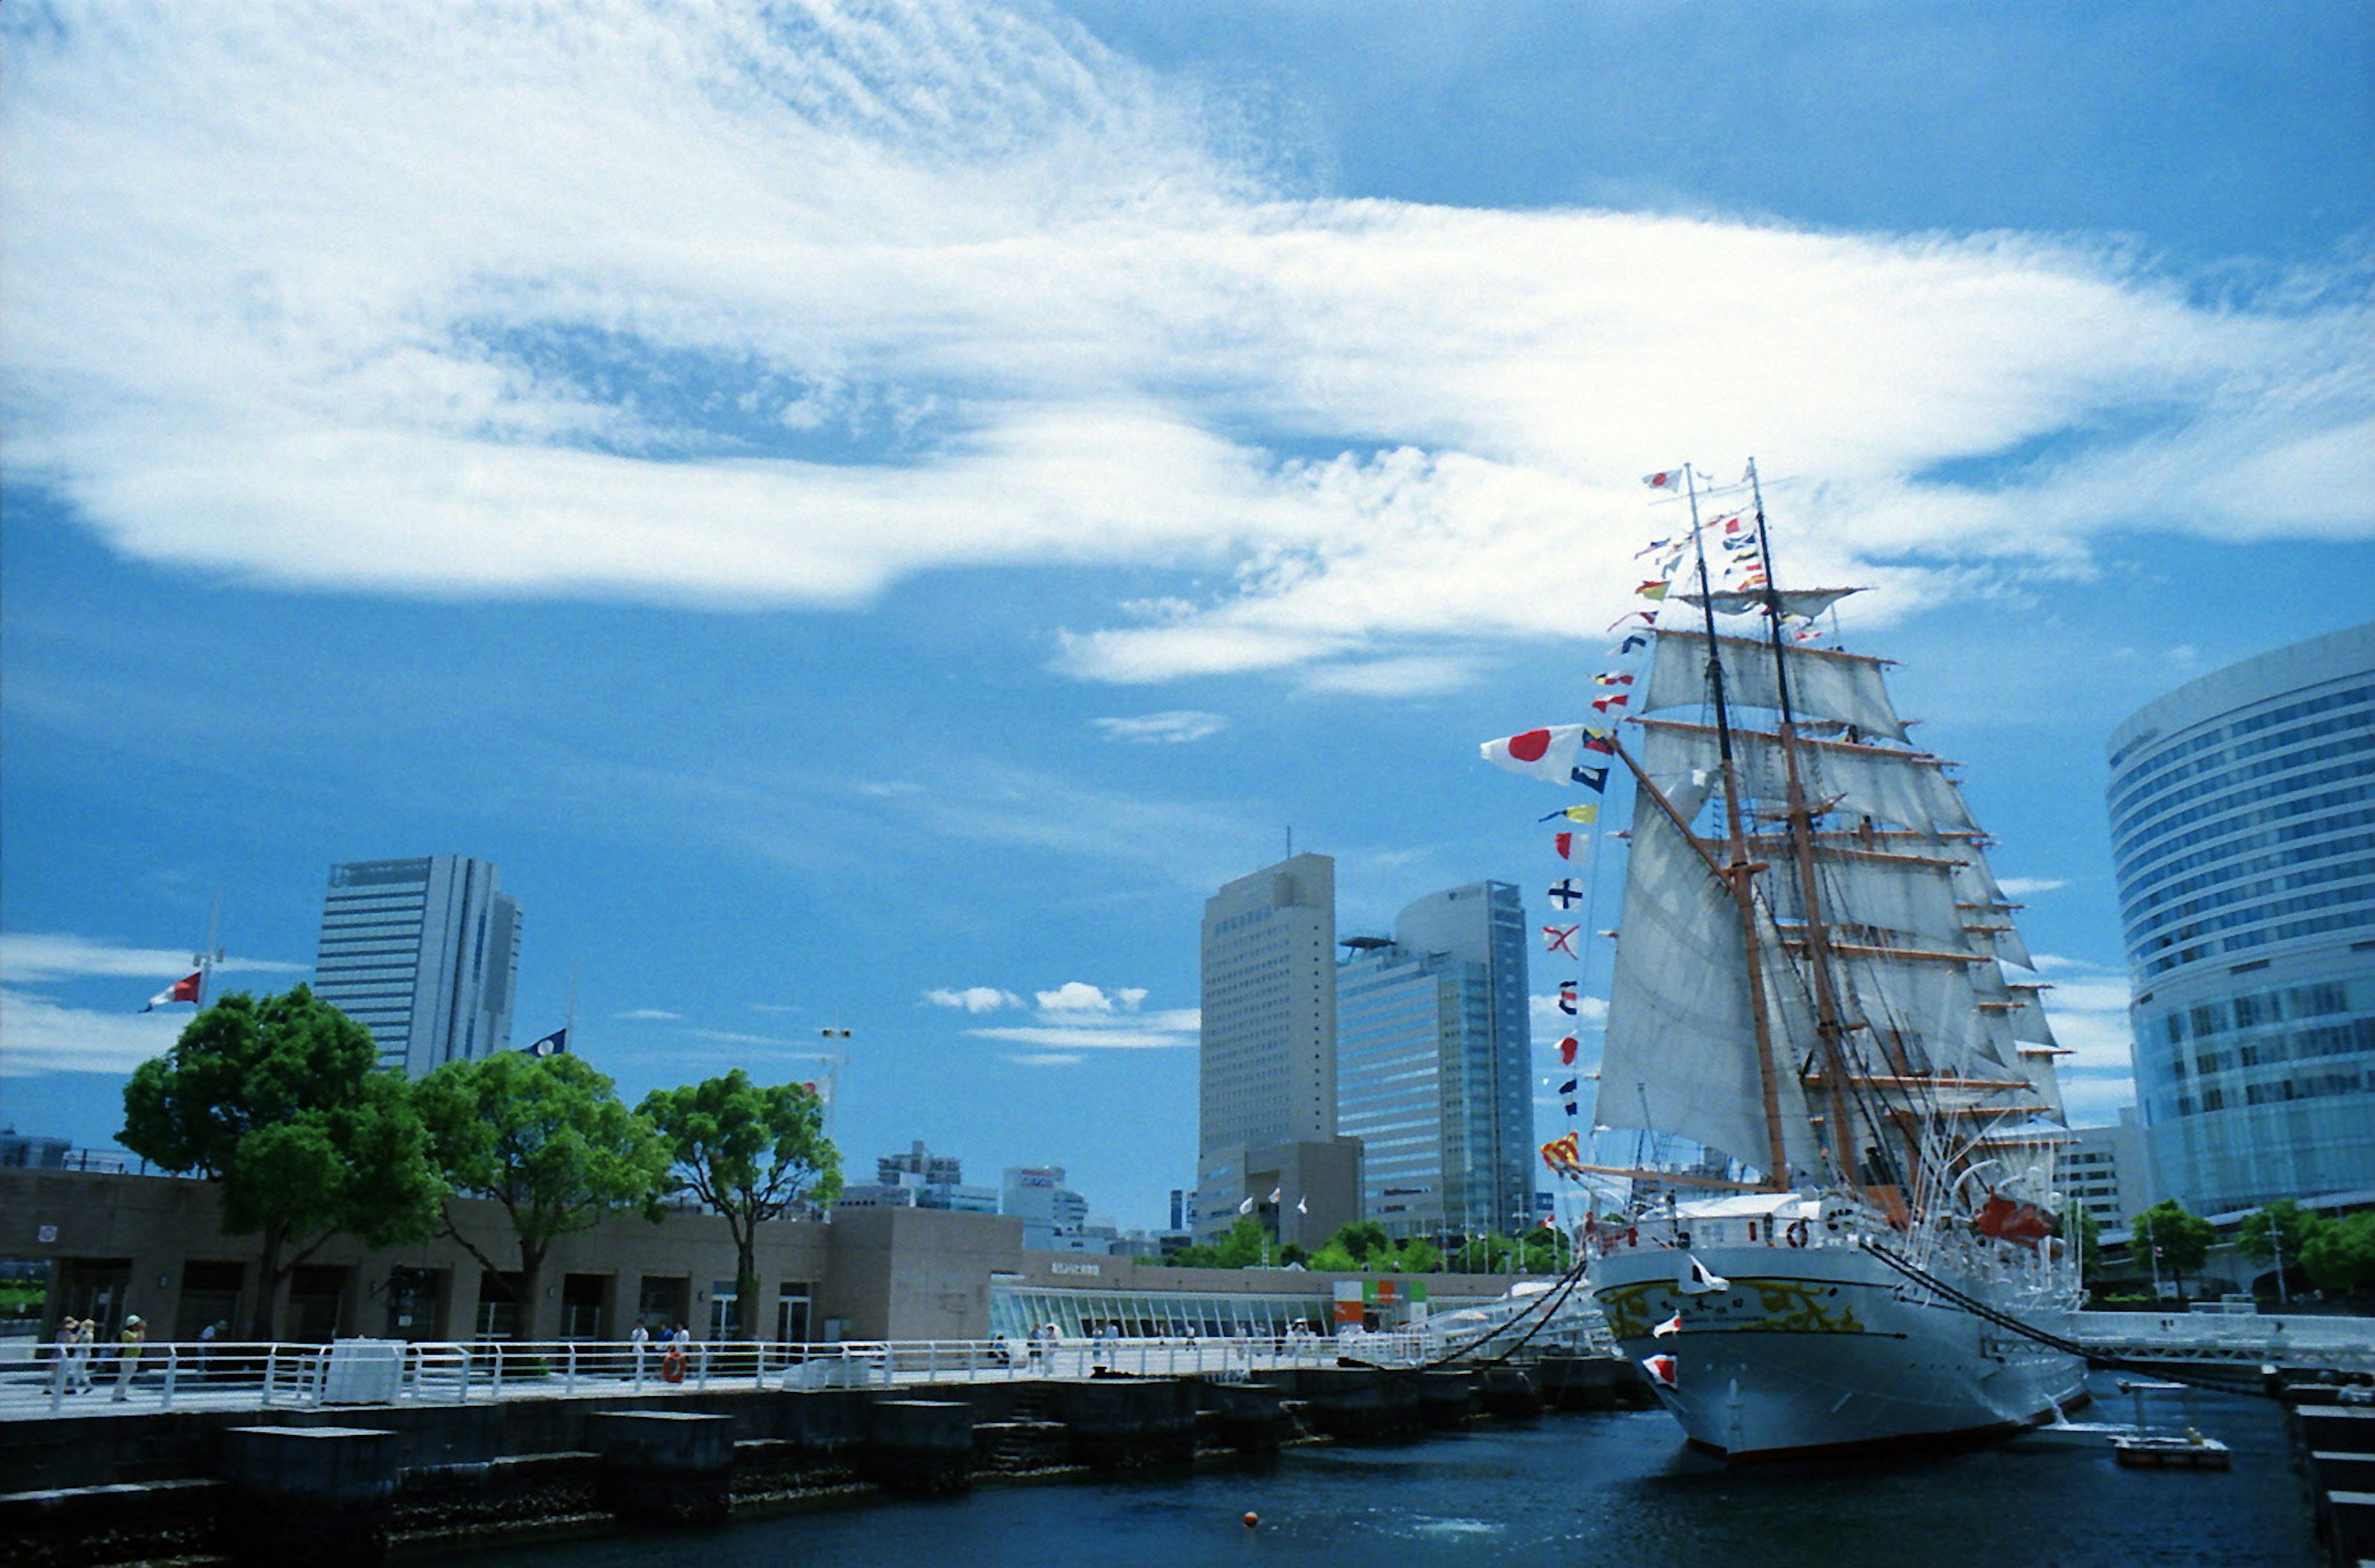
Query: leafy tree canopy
2183, 1239
2274, 1229
2340, 1254
278, 1101
548, 1140
749, 1150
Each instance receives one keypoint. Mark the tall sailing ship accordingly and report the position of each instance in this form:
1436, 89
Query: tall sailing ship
1810, 987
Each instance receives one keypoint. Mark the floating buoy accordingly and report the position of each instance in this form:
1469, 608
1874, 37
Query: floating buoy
1252, 1519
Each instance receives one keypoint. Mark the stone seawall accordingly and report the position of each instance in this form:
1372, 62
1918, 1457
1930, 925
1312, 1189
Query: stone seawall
271, 1486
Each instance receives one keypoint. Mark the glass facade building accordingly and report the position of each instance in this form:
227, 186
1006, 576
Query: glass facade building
2242, 812
1433, 1035
425, 954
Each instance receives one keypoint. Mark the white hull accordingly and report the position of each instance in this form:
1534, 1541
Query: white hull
1828, 1350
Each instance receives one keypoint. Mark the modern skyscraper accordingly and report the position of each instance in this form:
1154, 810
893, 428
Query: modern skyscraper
1266, 1104
2243, 834
424, 953
1432, 1038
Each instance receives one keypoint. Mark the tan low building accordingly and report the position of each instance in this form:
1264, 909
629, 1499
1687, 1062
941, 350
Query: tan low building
115, 1244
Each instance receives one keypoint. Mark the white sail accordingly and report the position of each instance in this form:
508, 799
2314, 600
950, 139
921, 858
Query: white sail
1682, 1059
1907, 788
1842, 687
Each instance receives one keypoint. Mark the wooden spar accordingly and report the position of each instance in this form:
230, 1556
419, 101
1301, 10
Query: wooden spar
1679, 1178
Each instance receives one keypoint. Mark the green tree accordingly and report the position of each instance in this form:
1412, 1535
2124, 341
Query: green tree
751, 1151
1332, 1259
1545, 1249
2340, 1254
278, 1100
1417, 1255
2179, 1241
1365, 1240
548, 1140
1243, 1246
2276, 1233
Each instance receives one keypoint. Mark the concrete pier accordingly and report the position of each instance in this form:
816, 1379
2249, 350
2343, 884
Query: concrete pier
663, 1467
308, 1494
919, 1446
2338, 1441
1251, 1418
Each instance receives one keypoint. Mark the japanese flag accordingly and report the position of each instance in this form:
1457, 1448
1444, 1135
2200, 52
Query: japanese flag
1541, 753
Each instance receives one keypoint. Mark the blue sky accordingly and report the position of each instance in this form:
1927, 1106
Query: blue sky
868, 518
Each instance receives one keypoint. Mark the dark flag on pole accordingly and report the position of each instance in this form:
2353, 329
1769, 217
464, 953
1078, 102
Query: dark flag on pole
553, 1045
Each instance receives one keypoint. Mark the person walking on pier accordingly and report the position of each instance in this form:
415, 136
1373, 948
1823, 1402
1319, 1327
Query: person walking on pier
78, 1358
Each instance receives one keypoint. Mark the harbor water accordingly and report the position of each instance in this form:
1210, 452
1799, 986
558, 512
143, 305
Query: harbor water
1574, 1491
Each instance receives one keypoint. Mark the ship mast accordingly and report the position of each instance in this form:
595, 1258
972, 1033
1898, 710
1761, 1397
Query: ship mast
1828, 1031
1740, 873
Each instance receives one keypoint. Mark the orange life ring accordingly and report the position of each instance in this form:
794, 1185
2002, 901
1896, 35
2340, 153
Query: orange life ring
672, 1366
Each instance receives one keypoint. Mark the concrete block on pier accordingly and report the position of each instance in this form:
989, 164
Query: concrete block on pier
309, 1494
1122, 1423
1249, 1417
1446, 1399
919, 1446
1361, 1404
1509, 1394
663, 1467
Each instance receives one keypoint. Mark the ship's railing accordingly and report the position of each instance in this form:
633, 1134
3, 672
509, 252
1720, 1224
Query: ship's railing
220, 1375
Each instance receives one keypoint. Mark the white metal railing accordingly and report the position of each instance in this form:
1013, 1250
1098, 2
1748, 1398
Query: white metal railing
2343, 1343
223, 1374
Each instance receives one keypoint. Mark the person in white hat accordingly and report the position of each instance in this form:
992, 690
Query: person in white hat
127, 1354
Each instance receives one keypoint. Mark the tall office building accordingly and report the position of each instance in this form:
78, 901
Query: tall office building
2243, 834
424, 953
1266, 1102
1433, 1037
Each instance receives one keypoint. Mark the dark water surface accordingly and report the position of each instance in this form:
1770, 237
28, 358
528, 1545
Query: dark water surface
1570, 1491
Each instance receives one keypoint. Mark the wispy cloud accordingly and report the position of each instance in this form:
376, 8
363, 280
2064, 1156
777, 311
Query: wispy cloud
780, 309
1077, 1017
28, 958
1179, 726
1046, 1058
44, 1037
2028, 887
649, 1015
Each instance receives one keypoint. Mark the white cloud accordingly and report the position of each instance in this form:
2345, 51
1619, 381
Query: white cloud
2025, 887
1552, 1025
43, 1037
1149, 1037
702, 305
973, 998
649, 1015
1178, 727
1046, 1058
1079, 997
30, 957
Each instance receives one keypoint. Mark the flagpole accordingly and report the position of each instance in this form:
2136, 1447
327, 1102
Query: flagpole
208, 960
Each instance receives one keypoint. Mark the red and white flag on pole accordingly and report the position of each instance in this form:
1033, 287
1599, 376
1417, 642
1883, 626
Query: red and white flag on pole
1671, 1325
1666, 480
1662, 1370
182, 990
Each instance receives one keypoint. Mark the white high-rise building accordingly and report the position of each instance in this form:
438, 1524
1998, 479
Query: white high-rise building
425, 954
1266, 1104
1433, 1033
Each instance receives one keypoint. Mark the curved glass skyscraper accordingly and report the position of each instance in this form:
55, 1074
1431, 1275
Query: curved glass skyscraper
2243, 835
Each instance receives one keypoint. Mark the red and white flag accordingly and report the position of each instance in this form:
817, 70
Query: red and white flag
1538, 753
1666, 479
182, 990
1671, 1325
1560, 939
1662, 1370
